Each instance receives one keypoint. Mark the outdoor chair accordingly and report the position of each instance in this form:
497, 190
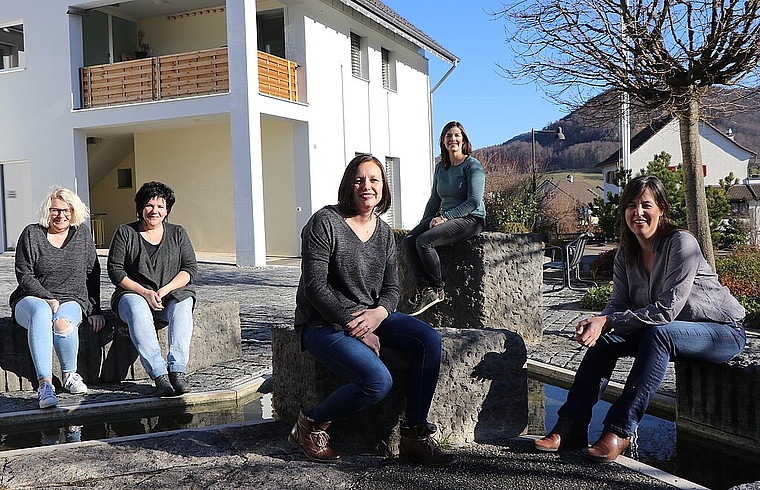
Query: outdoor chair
570, 263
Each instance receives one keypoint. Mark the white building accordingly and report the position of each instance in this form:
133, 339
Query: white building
720, 153
249, 109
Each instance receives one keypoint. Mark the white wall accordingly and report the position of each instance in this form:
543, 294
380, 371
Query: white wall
35, 124
349, 115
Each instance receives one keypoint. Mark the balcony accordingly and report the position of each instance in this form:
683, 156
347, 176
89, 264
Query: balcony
179, 75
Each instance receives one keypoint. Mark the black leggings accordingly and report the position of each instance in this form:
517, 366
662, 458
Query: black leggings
420, 244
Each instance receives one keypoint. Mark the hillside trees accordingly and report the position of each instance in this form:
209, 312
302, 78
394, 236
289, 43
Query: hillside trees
663, 54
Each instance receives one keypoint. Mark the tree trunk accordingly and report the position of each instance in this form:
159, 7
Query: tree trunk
693, 176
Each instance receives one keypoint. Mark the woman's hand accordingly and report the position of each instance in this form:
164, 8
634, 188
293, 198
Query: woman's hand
97, 322
366, 321
53, 304
373, 342
589, 330
153, 299
437, 221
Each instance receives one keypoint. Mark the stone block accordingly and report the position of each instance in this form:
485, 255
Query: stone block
720, 403
110, 356
481, 394
492, 280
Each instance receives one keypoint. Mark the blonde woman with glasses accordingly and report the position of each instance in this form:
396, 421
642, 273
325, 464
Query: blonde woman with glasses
58, 278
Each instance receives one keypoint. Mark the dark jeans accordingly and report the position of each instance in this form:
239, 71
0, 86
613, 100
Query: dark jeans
420, 244
653, 348
368, 378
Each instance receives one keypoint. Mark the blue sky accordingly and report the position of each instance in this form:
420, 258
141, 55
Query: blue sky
492, 108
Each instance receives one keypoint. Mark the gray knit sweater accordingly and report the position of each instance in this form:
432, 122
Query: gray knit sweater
340, 274
69, 273
129, 257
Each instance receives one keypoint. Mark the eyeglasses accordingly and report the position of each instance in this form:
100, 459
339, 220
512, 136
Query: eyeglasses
58, 211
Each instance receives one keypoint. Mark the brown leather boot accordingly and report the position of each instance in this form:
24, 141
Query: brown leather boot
567, 434
607, 448
311, 437
417, 446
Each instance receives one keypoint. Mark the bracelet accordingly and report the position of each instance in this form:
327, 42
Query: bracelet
444, 218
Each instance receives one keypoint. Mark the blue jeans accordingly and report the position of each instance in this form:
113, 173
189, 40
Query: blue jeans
653, 348
419, 246
135, 312
368, 378
36, 316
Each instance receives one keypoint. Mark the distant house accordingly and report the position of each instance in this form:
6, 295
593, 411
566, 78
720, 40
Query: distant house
250, 110
745, 206
567, 201
720, 153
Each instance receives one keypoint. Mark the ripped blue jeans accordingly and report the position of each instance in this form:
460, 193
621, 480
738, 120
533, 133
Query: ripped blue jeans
36, 316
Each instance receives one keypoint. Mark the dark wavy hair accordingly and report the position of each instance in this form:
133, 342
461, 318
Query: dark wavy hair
346, 190
152, 189
466, 145
632, 190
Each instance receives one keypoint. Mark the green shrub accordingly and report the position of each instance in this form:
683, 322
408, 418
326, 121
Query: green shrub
596, 298
740, 271
514, 228
602, 266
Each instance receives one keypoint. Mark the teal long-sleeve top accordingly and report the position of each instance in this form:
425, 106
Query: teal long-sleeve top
458, 191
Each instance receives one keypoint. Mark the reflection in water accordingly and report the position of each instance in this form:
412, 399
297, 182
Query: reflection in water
70, 433
258, 408
695, 460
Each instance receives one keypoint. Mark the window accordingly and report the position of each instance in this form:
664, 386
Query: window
124, 178
12, 47
386, 67
389, 69
611, 177
358, 56
270, 25
393, 216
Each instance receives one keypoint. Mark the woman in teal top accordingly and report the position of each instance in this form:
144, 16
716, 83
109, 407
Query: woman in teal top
454, 212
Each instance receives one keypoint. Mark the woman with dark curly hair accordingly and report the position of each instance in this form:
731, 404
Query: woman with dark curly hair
666, 304
152, 263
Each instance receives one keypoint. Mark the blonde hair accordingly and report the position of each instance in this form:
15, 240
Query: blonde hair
79, 212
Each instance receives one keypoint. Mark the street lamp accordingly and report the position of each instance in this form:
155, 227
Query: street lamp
558, 135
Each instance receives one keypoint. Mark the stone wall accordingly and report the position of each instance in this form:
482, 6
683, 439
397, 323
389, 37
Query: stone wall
492, 280
481, 394
110, 356
493, 306
720, 403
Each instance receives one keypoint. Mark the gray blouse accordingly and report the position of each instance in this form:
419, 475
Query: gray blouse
340, 274
682, 286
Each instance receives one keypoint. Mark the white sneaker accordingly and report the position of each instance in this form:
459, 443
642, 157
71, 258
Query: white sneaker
74, 384
46, 395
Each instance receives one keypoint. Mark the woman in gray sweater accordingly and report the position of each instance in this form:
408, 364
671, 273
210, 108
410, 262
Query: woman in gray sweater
58, 277
346, 306
152, 263
666, 305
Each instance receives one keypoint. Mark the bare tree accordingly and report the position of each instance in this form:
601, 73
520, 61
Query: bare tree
663, 54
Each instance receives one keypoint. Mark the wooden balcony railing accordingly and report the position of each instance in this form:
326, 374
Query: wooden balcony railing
179, 75
277, 76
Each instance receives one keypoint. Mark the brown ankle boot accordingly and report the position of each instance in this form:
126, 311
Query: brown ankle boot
417, 446
567, 434
311, 437
607, 448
